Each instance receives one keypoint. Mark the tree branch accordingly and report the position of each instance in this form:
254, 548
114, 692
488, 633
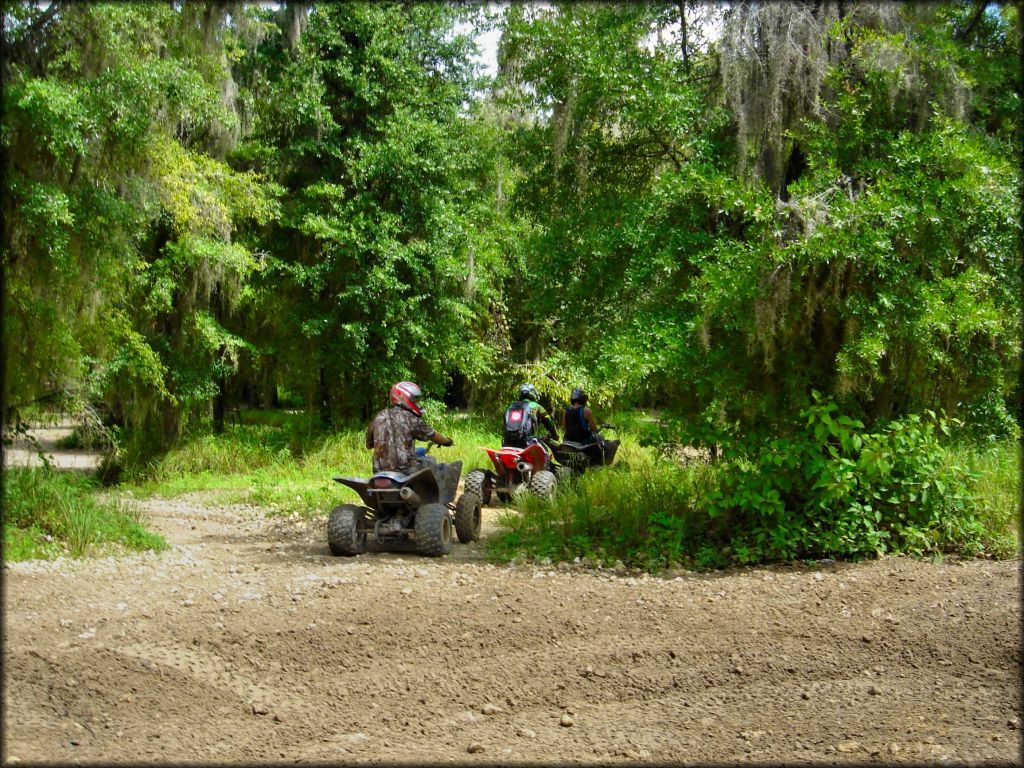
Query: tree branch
979, 11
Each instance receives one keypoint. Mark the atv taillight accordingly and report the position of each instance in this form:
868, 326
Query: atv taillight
381, 482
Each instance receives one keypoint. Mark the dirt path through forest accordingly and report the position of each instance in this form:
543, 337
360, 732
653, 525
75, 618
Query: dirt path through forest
247, 641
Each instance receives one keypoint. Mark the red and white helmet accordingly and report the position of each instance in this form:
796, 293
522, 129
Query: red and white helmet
407, 395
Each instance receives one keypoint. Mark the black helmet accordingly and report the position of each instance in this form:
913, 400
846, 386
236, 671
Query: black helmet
578, 396
528, 392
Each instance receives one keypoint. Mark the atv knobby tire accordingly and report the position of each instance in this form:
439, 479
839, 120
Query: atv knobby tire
543, 484
479, 482
467, 517
433, 530
346, 530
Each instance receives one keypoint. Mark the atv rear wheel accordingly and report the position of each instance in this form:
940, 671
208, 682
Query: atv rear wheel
346, 530
543, 484
467, 517
433, 530
479, 482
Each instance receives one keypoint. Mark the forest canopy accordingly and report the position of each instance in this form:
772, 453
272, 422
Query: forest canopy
714, 210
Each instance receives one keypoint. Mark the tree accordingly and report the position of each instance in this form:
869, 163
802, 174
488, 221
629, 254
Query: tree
361, 121
119, 221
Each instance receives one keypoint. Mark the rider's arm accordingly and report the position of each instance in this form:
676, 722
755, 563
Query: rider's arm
561, 421
589, 416
369, 436
548, 422
425, 432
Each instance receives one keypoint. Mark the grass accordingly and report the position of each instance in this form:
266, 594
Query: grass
281, 464
997, 487
49, 513
646, 512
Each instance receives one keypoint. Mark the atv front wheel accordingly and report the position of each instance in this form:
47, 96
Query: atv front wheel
479, 482
433, 530
467, 517
346, 530
543, 484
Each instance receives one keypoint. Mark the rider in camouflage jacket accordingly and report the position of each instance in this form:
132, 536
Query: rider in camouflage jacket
393, 433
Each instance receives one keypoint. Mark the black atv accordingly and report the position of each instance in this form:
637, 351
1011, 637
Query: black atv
576, 458
404, 509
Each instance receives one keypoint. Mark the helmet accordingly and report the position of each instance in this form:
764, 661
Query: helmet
578, 396
407, 395
528, 392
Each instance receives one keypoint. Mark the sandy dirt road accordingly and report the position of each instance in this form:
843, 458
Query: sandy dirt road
249, 642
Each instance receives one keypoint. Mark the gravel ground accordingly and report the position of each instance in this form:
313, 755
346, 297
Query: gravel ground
248, 642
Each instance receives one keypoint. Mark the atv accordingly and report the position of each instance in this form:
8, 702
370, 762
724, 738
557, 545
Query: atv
401, 509
578, 457
515, 469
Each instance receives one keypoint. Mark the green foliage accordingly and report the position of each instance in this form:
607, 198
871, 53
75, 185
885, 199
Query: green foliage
383, 230
995, 468
886, 272
121, 217
831, 488
48, 513
215, 204
649, 517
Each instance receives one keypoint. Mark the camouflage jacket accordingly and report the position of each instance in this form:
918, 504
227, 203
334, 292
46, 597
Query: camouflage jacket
392, 435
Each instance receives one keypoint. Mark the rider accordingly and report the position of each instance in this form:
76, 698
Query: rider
393, 433
578, 426
521, 420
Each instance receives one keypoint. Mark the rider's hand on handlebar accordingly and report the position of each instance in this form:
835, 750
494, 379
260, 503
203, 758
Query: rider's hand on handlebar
448, 442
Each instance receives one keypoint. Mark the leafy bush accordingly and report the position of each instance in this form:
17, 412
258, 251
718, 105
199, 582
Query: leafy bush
832, 488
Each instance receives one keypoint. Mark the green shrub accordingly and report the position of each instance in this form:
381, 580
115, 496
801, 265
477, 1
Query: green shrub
829, 488
832, 488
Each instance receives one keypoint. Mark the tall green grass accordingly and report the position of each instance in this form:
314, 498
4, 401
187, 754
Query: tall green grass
647, 512
48, 513
288, 466
996, 467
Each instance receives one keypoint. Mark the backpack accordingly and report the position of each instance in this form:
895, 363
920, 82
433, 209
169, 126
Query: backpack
518, 424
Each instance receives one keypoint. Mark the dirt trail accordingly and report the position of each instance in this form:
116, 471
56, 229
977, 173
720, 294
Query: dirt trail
248, 642
25, 451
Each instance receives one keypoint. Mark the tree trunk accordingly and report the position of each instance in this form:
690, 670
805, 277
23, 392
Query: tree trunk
683, 42
219, 406
323, 398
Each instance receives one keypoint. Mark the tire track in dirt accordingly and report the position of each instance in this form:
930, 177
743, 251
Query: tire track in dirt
248, 642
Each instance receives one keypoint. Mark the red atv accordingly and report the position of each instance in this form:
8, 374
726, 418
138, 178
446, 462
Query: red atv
514, 469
